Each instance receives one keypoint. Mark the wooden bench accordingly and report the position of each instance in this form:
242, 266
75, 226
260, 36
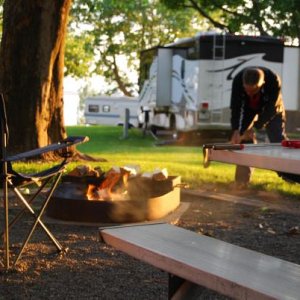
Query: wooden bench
204, 261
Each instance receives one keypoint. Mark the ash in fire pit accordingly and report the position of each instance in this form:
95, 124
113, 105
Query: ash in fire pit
117, 196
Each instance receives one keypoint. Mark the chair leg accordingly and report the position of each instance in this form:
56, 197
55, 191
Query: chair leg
33, 213
6, 225
20, 214
38, 219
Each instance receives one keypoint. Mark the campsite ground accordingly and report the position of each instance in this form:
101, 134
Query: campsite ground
261, 221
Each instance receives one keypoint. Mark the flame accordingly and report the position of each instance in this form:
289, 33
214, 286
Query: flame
113, 187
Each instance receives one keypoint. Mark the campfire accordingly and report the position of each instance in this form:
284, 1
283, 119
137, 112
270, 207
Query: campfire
113, 184
121, 194
113, 187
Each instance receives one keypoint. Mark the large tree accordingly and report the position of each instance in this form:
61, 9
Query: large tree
32, 70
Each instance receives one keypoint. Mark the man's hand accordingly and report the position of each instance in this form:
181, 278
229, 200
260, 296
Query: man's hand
236, 137
249, 135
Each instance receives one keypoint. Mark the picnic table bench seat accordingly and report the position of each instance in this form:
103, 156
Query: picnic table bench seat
205, 261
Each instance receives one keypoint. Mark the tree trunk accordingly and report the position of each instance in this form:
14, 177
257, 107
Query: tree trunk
31, 71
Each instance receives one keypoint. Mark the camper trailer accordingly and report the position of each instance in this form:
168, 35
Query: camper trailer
186, 85
106, 110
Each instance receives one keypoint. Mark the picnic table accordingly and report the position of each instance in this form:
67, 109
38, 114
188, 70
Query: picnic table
270, 156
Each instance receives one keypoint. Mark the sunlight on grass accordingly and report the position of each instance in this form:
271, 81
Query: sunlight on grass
107, 143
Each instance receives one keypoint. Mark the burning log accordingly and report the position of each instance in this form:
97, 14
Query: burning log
157, 174
113, 186
84, 170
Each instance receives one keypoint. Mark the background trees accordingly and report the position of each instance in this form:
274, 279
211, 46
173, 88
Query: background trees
264, 17
116, 31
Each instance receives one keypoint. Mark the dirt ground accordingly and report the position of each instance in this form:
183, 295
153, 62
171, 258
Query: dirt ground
260, 221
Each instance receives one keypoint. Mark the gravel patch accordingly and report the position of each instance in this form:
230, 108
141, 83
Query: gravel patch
93, 270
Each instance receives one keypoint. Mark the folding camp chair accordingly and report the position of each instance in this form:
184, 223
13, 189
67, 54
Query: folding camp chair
14, 180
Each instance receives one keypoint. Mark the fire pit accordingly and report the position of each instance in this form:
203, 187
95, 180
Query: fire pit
146, 199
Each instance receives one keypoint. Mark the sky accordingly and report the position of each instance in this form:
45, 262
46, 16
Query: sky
71, 96
71, 93
71, 101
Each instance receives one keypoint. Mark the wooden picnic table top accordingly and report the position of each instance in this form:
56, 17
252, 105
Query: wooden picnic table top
231, 270
268, 156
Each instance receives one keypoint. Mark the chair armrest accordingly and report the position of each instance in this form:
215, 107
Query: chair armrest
70, 141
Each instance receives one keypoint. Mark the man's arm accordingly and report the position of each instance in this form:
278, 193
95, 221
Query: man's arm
236, 103
274, 100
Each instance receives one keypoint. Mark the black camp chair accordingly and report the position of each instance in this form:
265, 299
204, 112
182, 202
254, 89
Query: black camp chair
14, 180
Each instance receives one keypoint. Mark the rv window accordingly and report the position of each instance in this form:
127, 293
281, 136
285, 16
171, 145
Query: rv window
93, 108
106, 108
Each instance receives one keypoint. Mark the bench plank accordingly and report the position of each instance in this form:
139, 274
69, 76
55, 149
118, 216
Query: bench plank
228, 269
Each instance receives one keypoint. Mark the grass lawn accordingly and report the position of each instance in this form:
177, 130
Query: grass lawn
107, 142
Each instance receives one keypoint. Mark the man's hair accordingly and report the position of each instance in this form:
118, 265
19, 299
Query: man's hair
253, 76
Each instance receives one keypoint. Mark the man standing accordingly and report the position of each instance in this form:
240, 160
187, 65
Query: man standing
256, 103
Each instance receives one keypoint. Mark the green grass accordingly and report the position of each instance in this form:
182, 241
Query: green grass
107, 143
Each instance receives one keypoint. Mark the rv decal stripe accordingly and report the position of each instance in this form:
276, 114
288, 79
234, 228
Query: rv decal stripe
232, 68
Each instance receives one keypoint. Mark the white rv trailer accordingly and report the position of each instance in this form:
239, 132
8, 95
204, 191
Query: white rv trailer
186, 85
109, 110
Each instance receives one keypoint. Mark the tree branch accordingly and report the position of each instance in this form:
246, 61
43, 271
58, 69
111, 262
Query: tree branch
118, 79
257, 21
203, 13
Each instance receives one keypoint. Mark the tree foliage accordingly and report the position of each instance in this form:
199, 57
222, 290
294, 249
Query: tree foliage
79, 54
116, 31
265, 17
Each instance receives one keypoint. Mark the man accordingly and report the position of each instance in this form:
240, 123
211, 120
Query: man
256, 103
